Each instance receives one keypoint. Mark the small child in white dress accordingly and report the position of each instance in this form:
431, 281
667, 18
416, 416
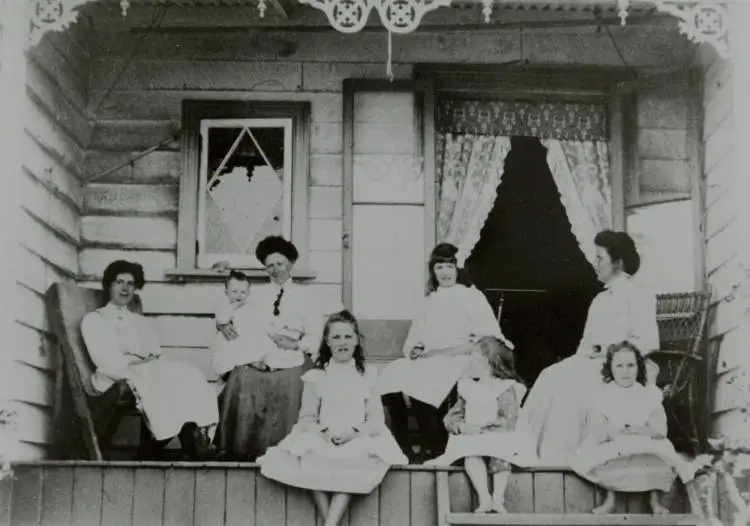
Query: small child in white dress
340, 444
252, 344
483, 423
626, 448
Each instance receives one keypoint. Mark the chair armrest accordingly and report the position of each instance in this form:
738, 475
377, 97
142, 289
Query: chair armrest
681, 354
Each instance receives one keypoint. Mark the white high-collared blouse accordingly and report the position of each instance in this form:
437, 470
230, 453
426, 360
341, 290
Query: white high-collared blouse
298, 310
114, 338
623, 311
449, 316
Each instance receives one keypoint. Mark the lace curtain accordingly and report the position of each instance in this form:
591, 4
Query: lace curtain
470, 168
473, 140
569, 121
581, 172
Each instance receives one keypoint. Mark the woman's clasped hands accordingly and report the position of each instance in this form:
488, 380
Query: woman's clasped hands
339, 438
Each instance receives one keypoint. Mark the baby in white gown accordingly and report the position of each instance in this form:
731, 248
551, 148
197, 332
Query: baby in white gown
252, 346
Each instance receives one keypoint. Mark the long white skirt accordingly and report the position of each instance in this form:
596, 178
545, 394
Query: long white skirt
170, 394
306, 460
429, 380
555, 411
511, 446
632, 463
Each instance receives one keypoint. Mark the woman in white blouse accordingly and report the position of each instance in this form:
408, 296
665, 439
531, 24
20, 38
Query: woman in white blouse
452, 318
555, 409
174, 397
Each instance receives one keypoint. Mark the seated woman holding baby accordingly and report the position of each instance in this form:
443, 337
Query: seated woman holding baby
268, 336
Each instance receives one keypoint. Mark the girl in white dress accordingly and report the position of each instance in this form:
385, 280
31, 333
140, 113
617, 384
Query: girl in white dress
453, 316
555, 408
483, 423
627, 447
340, 444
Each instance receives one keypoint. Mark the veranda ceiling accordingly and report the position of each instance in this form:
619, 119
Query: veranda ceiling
538, 5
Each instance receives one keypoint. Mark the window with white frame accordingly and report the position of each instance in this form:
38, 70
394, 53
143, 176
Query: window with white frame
246, 167
245, 188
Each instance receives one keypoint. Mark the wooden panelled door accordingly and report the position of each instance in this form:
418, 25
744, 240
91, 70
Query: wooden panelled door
389, 207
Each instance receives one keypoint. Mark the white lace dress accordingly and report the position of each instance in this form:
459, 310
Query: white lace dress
486, 403
448, 317
338, 398
629, 462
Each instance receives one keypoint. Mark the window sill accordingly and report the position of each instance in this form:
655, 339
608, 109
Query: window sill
199, 275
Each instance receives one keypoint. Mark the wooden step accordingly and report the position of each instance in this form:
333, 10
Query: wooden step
571, 519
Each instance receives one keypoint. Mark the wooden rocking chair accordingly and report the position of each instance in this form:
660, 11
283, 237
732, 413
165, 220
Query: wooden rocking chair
96, 415
682, 320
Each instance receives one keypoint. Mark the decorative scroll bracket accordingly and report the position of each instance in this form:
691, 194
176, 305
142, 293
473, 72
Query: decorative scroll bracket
56, 15
398, 16
699, 21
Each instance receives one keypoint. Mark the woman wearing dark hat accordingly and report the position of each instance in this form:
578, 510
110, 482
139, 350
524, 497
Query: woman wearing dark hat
259, 407
174, 397
555, 409
453, 316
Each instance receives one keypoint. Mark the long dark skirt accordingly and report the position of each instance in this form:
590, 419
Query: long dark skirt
257, 410
432, 437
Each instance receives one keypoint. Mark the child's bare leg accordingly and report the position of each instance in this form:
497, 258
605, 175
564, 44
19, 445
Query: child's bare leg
654, 501
608, 506
476, 469
339, 503
500, 476
322, 503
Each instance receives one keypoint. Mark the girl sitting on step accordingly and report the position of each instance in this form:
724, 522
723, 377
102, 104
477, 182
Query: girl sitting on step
482, 424
626, 449
340, 444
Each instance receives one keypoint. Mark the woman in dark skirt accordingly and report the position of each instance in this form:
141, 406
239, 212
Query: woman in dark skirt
258, 407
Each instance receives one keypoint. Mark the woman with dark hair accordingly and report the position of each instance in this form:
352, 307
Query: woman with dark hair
555, 409
452, 318
174, 397
259, 407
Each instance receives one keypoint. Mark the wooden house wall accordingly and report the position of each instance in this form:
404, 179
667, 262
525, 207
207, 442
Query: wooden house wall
56, 132
728, 328
88, 112
132, 212
662, 168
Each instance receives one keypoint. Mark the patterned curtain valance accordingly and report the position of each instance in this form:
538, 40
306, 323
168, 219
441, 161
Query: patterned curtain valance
570, 121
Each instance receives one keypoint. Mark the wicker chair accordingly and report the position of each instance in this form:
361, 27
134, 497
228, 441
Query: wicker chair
682, 320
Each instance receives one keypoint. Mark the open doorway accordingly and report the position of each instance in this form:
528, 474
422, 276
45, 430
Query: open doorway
528, 256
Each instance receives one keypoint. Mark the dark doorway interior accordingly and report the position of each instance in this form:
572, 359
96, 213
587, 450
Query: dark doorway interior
525, 244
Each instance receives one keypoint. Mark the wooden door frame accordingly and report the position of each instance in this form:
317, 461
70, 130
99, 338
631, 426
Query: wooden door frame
425, 124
